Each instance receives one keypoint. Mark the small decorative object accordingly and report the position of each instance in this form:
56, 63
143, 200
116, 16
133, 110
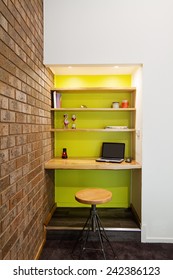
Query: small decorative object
115, 105
73, 119
125, 104
66, 122
64, 153
83, 106
128, 159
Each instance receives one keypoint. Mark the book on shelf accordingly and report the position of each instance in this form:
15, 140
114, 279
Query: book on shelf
56, 99
116, 127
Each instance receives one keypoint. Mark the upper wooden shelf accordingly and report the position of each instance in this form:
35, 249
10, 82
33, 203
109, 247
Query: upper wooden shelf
96, 89
89, 164
93, 109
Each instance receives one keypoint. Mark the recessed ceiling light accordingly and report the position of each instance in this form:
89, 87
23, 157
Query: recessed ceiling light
69, 67
116, 66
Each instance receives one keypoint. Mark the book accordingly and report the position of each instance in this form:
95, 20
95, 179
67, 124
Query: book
116, 127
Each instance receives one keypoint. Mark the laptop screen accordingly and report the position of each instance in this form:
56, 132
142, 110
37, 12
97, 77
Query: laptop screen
113, 150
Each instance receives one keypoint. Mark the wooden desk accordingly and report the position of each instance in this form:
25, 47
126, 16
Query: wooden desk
88, 164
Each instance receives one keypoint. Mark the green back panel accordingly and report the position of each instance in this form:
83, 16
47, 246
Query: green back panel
88, 144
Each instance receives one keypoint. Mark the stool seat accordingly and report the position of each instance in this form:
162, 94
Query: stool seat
93, 196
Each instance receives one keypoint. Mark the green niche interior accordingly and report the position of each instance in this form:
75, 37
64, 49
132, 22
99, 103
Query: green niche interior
88, 143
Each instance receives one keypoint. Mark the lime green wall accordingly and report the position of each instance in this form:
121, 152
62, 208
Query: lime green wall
93, 81
88, 144
70, 181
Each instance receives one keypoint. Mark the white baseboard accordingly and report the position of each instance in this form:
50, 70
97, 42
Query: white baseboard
154, 239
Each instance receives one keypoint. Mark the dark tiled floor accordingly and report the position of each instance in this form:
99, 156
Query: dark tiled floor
74, 218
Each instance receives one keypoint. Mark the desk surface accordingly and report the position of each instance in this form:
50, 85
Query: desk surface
89, 163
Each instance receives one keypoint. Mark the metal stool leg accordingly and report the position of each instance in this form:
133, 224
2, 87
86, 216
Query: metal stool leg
80, 235
103, 234
93, 223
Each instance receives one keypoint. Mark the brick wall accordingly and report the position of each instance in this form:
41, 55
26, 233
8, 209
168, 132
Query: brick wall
26, 190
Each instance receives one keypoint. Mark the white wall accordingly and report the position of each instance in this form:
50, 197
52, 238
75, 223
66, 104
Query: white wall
128, 31
137, 83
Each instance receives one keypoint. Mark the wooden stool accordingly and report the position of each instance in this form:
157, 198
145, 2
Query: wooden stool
93, 196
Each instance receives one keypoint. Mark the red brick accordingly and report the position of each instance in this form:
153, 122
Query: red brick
21, 139
8, 219
26, 128
7, 142
15, 128
4, 209
9, 244
21, 96
15, 199
7, 14
4, 22
7, 168
26, 108
21, 161
7, 64
21, 118
7, 90
8, 193
4, 156
4, 129
6, 39
3, 102
15, 105
26, 169
15, 175
21, 54
15, 82
26, 148
7, 116
4, 182
22, 183
15, 152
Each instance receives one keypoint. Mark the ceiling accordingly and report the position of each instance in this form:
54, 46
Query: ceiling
93, 69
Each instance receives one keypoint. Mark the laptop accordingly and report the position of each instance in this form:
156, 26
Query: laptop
112, 152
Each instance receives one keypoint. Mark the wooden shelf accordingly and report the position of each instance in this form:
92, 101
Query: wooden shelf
92, 130
88, 164
95, 89
93, 109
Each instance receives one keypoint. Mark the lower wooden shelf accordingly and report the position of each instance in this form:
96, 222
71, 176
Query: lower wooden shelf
89, 163
93, 130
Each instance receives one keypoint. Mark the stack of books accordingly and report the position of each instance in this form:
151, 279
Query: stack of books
116, 127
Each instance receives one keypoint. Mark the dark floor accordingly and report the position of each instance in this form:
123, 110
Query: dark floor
122, 230
74, 218
126, 246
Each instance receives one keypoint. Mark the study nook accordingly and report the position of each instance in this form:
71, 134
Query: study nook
88, 126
